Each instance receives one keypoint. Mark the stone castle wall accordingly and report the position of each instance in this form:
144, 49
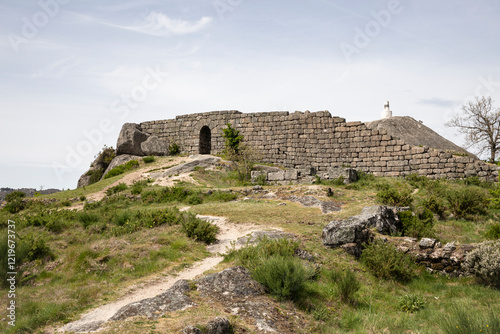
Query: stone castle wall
318, 140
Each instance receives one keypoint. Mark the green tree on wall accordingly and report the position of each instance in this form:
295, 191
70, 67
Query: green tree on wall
232, 139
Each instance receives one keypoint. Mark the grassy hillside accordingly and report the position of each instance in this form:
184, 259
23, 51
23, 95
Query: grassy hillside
71, 261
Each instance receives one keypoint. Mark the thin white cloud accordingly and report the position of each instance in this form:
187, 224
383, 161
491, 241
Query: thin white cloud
56, 69
158, 24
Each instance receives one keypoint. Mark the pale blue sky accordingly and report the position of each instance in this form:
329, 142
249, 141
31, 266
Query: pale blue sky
68, 66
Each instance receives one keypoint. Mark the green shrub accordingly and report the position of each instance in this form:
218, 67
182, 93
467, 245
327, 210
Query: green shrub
95, 175
132, 164
232, 139
173, 149
251, 255
116, 189
495, 198
284, 277
28, 248
123, 218
394, 197
261, 180
348, 286
484, 262
463, 320
410, 303
148, 159
194, 199
136, 189
220, 196
418, 225
14, 206
417, 181
83, 198
88, 218
15, 195
465, 202
493, 232
434, 204
385, 261
37, 248
101, 163
199, 229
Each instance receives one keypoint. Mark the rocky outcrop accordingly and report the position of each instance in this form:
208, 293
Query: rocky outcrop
120, 160
311, 201
243, 296
198, 161
130, 139
355, 231
155, 146
447, 259
171, 300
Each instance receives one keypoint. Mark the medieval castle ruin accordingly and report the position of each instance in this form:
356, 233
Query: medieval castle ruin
392, 146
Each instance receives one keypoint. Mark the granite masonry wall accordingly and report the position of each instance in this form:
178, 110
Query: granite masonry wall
318, 140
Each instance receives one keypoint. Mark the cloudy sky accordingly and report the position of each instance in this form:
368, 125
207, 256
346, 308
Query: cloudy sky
74, 71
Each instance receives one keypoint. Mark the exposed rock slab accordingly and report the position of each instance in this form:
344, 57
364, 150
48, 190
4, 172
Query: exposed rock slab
356, 230
171, 300
120, 160
311, 201
198, 161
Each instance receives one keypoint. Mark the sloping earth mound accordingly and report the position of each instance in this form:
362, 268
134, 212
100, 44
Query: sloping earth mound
415, 133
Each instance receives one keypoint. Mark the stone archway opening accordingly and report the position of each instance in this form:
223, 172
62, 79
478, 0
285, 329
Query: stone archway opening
205, 140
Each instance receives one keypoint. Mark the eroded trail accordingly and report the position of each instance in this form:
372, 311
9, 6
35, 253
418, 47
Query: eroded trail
94, 319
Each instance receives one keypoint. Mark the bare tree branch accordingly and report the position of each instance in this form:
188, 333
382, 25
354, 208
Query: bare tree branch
480, 124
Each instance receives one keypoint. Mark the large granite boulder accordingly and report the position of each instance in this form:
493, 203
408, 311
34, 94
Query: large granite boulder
155, 146
120, 160
130, 139
355, 230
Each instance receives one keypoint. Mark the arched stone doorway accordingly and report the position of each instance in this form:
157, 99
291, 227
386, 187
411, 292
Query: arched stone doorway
205, 140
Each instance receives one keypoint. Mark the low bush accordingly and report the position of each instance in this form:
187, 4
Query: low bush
394, 197
434, 204
173, 149
28, 248
15, 195
493, 232
261, 180
220, 196
122, 169
465, 202
149, 159
53, 221
251, 255
88, 218
284, 277
495, 198
383, 260
348, 286
199, 229
417, 225
417, 181
14, 206
484, 262
116, 189
463, 320
410, 303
